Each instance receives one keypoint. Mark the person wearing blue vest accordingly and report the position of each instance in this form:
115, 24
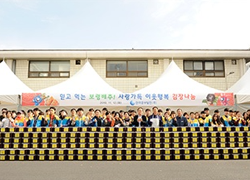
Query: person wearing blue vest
80, 119
39, 119
208, 118
34, 118
52, 120
226, 119
172, 119
202, 118
64, 119
30, 118
97, 120
193, 122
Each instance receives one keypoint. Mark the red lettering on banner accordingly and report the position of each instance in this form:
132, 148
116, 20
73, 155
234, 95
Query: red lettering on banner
180, 96
186, 96
193, 97
174, 96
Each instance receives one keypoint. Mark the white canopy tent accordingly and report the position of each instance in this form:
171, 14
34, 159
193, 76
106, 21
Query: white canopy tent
85, 80
78, 90
179, 87
86, 88
174, 80
12, 87
242, 89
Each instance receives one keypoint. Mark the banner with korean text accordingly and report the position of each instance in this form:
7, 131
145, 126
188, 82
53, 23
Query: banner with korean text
81, 99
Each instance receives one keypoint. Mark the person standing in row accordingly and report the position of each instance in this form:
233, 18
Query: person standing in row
155, 120
140, 119
8, 121
180, 119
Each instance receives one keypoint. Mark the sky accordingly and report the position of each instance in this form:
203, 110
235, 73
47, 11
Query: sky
124, 24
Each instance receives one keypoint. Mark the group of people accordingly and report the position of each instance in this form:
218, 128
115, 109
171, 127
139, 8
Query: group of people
104, 118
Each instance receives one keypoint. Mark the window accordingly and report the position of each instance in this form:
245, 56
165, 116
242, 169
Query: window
206, 68
49, 69
128, 68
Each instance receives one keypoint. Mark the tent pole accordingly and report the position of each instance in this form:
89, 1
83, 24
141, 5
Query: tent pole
235, 103
19, 103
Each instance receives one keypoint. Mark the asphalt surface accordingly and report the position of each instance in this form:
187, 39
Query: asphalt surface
119, 170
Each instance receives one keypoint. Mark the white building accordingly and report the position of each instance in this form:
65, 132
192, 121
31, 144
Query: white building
125, 69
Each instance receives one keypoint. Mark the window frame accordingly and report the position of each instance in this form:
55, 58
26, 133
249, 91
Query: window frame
126, 71
49, 72
203, 71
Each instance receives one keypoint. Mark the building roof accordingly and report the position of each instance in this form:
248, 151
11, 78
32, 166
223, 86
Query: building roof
123, 53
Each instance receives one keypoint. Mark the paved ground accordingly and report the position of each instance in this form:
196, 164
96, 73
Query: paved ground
119, 170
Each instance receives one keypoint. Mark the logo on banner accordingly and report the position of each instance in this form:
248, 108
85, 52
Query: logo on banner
219, 99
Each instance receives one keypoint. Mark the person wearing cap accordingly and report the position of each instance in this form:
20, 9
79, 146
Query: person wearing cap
80, 119
202, 118
20, 120
208, 118
226, 119
64, 119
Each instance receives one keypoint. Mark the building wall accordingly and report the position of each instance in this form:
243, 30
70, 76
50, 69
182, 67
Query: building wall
129, 84
220, 83
41, 83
